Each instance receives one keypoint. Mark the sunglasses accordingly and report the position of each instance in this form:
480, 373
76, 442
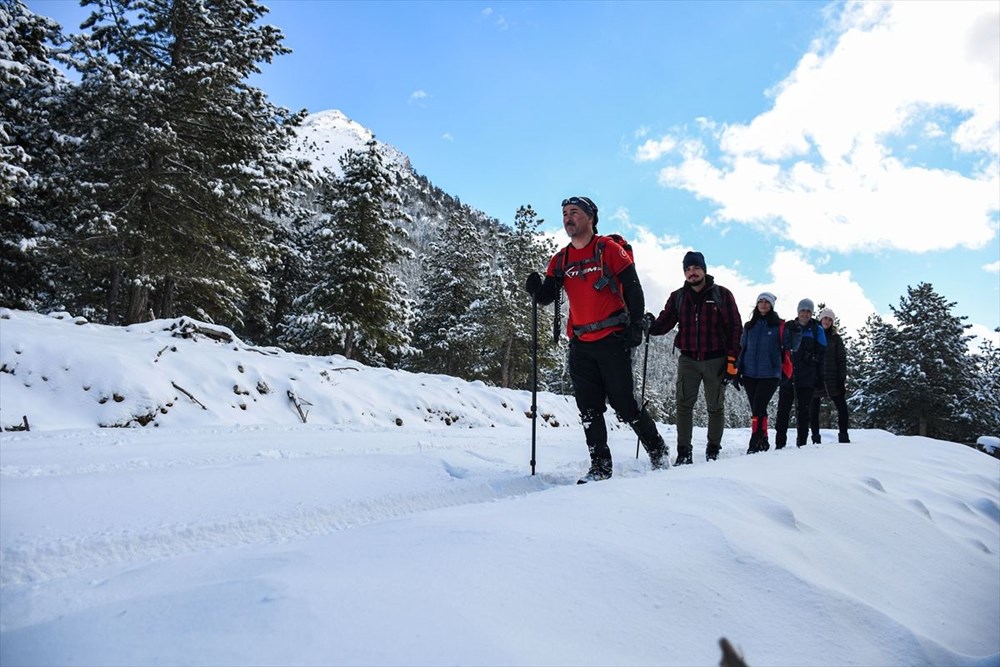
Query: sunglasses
580, 201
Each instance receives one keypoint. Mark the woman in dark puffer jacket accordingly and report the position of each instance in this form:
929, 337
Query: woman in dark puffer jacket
759, 365
834, 379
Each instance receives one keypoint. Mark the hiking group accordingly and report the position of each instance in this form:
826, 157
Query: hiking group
803, 360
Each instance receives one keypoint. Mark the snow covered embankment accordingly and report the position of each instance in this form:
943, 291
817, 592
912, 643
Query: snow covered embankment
59, 372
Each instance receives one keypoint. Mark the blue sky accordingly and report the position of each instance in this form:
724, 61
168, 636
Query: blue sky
834, 151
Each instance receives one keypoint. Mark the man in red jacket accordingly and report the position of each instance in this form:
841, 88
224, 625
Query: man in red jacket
708, 336
606, 307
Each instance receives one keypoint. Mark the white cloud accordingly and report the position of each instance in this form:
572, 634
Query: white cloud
498, 20
654, 150
818, 166
418, 96
993, 267
982, 334
933, 130
447, 136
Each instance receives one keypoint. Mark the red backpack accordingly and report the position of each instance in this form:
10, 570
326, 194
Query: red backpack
786, 355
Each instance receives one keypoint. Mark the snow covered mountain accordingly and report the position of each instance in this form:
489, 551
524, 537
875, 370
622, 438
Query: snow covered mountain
326, 135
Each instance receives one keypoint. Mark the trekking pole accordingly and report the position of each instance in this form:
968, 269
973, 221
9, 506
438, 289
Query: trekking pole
555, 317
645, 362
534, 374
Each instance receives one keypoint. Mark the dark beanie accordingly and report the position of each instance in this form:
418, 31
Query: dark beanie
694, 258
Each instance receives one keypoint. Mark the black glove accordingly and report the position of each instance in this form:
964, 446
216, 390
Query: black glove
737, 382
533, 283
633, 335
729, 374
647, 321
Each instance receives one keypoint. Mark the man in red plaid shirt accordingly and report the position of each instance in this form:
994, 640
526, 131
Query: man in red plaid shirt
708, 336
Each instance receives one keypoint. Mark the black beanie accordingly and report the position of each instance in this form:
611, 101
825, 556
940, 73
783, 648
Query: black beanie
585, 204
694, 258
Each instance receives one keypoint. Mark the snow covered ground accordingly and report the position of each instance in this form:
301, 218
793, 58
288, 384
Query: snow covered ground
400, 524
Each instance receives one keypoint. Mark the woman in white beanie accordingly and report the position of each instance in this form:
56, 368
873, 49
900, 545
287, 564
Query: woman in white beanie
759, 365
834, 379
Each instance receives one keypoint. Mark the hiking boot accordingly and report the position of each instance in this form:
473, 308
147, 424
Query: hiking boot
711, 456
843, 437
595, 474
683, 459
660, 458
659, 454
817, 440
765, 445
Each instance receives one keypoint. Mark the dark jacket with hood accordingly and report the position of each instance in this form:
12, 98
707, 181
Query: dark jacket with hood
807, 344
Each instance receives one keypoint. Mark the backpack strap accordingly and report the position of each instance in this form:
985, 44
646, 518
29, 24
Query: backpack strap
621, 318
561, 262
714, 293
607, 278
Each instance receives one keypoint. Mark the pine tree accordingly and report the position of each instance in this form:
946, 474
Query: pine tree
32, 150
451, 325
184, 157
518, 252
877, 400
986, 397
357, 305
936, 366
918, 378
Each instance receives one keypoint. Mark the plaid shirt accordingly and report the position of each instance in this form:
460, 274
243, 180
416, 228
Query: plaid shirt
705, 329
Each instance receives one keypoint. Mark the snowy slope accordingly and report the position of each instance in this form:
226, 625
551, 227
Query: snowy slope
227, 536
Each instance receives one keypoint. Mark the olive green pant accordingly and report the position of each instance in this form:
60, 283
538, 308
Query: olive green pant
690, 375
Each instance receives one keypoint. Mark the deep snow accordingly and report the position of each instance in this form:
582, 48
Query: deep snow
401, 525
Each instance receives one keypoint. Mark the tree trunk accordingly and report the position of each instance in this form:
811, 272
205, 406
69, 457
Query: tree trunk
165, 292
349, 345
114, 291
138, 303
922, 425
505, 375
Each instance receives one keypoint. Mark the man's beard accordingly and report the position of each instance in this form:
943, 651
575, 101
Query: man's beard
697, 283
